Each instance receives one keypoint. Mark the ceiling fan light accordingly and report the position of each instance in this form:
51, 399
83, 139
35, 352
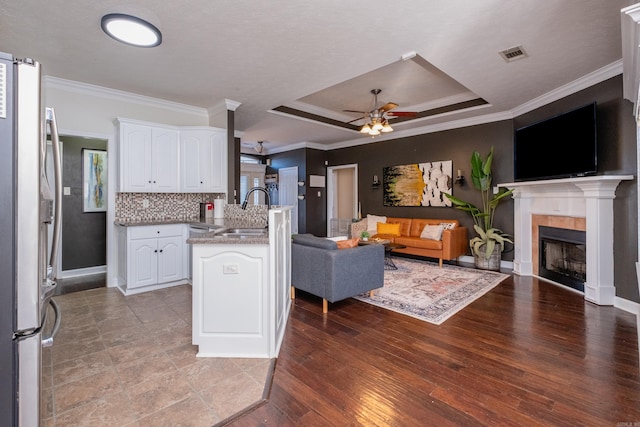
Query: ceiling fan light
374, 132
386, 127
377, 126
365, 128
259, 147
131, 30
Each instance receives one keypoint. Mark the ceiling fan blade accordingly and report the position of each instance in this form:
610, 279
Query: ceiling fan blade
402, 114
388, 106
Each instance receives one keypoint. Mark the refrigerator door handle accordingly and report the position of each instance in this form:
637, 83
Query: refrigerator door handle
48, 341
55, 141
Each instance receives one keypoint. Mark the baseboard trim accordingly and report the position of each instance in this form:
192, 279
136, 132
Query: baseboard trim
79, 272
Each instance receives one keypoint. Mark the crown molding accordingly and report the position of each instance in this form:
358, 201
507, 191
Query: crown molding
591, 79
118, 95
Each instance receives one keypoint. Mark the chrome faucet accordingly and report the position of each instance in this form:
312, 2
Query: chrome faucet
266, 195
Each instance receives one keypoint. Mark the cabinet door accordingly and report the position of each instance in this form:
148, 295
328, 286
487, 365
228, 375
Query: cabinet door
165, 146
143, 263
196, 160
135, 160
218, 170
170, 253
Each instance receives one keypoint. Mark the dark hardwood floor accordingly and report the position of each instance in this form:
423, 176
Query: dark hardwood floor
527, 353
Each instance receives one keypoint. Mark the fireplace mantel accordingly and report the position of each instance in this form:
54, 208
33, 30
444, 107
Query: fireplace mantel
588, 197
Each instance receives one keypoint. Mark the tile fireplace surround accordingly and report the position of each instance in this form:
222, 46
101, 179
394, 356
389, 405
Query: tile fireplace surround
574, 203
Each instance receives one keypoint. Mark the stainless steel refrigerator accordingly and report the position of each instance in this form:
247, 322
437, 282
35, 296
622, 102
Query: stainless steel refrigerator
28, 205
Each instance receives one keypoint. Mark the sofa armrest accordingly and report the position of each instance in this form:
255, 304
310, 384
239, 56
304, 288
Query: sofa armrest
454, 243
355, 228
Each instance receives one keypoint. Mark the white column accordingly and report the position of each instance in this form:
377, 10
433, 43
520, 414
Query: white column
599, 287
522, 254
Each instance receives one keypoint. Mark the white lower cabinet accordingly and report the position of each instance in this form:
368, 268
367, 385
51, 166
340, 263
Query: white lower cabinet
154, 256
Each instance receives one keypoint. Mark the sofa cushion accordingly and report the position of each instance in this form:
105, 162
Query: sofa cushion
372, 223
347, 243
417, 225
433, 232
416, 242
316, 242
388, 229
405, 225
449, 225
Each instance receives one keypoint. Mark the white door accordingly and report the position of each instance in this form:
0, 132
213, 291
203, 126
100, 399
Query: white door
342, 198
288, 193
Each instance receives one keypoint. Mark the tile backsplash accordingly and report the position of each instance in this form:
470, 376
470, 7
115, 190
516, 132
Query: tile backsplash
161, 206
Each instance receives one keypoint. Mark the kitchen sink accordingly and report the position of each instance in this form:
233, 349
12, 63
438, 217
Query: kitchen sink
240, 233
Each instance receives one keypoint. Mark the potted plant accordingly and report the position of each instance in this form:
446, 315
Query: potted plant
487, 247
365, 236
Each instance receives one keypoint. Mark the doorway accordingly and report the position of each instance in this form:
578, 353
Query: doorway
342, 198
84, 235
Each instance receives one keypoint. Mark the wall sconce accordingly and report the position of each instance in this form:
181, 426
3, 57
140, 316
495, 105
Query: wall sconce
375, 182
460, 178
300, 196
300, 183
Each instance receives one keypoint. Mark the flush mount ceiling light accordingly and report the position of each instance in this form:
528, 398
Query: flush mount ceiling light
131, 30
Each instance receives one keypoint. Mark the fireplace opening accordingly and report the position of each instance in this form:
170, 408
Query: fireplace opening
563, 256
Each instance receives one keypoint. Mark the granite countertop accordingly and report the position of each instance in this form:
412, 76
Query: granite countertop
210, 238
213, 239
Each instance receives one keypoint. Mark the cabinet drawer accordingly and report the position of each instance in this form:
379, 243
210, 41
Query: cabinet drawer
148, 231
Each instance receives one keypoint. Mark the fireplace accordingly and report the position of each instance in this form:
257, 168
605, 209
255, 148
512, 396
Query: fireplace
563, 256
589, 198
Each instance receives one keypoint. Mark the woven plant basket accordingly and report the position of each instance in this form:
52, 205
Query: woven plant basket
493, 263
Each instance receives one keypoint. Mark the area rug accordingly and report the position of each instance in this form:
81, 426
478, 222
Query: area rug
427, 292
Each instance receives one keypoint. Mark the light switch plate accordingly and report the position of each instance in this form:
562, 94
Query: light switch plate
66, 191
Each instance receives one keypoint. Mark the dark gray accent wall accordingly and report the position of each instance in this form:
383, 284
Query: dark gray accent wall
84, 238
456, 145
312, 211
616, 136
616, 155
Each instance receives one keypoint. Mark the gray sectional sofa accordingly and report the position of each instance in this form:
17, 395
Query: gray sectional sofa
320, 268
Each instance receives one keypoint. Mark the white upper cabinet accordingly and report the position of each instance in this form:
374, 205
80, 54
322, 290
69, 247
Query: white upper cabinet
203, 154
148, 158
171, 159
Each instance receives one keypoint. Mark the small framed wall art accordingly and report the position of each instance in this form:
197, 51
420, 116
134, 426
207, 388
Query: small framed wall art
94, 180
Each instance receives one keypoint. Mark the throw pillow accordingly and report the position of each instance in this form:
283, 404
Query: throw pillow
388, 229
448, 225
432, 232
349, 243
372, 223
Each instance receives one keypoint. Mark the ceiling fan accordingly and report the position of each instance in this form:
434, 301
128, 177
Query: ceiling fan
377, 120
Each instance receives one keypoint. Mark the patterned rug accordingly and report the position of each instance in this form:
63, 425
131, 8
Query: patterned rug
427, 292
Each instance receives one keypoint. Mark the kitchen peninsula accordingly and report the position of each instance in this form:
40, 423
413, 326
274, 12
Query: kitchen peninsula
241, 289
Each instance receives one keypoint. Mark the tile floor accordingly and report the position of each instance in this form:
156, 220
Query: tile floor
128, 361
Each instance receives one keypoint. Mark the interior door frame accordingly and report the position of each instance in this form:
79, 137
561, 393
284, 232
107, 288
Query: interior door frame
333, 190
112, 185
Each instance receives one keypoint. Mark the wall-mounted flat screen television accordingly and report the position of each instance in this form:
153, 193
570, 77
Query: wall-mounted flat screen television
563, 146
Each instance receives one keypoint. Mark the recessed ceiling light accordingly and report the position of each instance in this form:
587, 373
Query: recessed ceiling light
131, 30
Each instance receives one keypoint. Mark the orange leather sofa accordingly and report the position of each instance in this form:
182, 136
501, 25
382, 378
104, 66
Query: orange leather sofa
454, 241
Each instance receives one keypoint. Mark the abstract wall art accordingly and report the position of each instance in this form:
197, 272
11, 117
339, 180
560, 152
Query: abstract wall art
418, 184
94, 180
